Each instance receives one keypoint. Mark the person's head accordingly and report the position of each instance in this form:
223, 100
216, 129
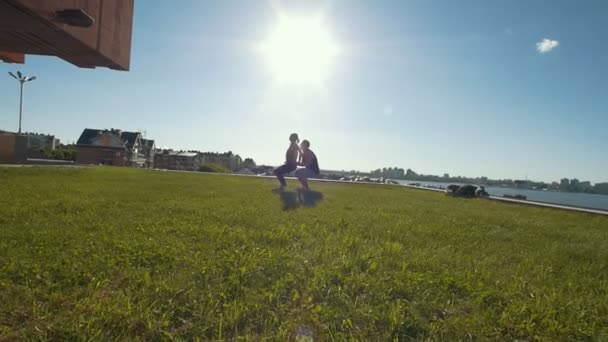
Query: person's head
305, 145
294, 138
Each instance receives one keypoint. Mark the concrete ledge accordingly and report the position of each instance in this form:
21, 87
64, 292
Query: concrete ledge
525, 202
34, 161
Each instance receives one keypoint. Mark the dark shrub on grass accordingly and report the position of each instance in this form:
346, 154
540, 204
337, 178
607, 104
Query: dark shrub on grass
214, 168
61, 153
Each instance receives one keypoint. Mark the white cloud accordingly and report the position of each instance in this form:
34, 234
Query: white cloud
546, 45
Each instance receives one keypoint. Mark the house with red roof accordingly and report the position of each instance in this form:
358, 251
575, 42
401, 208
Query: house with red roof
112, 147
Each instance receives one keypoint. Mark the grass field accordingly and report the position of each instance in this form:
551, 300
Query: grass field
108, 253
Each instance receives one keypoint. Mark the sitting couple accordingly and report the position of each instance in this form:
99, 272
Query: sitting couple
296, 156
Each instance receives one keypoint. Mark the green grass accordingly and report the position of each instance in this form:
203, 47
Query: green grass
120, 254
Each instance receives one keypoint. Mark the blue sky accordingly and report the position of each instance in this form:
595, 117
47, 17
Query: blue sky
435, 86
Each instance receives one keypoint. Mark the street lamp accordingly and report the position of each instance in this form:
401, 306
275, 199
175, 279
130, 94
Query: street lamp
22, 79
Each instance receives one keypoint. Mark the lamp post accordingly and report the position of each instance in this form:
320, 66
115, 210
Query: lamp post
22, 79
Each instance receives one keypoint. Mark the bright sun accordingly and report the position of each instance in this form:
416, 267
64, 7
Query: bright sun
300, 50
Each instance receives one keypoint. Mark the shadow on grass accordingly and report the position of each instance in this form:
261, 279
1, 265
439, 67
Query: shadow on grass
293, 200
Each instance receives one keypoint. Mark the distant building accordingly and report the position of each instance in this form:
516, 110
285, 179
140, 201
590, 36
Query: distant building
36, 141
554, 186
149, 150
574, 185
392, 173
564, 184
601, 188
522, 184
177, 160
110, 147
585, 186
228, 159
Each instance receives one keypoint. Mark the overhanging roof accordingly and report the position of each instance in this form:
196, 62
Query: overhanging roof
36, 27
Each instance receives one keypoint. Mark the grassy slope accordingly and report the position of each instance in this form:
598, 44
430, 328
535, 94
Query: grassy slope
120, 253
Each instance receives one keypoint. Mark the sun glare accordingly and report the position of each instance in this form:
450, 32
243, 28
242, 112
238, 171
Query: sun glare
300, 50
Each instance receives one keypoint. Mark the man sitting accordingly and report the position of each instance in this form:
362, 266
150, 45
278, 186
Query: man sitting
310, 163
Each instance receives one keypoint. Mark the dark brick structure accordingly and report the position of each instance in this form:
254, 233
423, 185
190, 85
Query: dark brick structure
7, 148
101, 156
13, 148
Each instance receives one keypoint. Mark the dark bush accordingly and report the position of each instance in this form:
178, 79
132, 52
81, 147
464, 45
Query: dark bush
214, 168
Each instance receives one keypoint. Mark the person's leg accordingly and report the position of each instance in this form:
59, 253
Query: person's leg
304, 182
280, 172
302, 175
299, 176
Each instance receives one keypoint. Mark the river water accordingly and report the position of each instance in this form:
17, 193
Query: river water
592, 201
